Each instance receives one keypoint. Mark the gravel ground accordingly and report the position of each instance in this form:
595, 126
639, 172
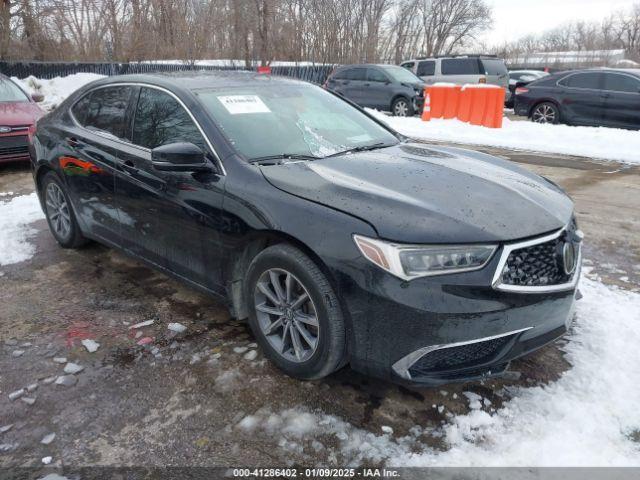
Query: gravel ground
180, 399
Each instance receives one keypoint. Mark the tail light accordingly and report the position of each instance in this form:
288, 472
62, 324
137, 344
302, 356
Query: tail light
521, 90
482, 80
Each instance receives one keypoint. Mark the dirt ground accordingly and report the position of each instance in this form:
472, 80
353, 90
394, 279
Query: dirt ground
179, 400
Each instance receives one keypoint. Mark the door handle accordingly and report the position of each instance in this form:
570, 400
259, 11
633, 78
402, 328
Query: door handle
367, 84
129, 167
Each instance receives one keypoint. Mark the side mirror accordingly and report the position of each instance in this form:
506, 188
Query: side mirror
180, 157
37, 97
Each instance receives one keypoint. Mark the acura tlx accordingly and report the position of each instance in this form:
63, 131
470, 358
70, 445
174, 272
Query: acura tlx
340, 240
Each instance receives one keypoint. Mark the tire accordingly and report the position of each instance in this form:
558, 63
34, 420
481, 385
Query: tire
401, 107
59, 213
545, 112
296, 273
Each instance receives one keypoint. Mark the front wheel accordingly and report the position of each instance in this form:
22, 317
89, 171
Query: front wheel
401, 107
545, 113
294, 313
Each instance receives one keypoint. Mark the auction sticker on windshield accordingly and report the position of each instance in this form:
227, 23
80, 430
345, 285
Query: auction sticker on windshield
237, 104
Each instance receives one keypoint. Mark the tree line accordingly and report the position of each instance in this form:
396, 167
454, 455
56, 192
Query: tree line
259, 31
620, 30
322, 31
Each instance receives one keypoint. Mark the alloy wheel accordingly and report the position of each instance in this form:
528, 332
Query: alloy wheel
401, 109
58, 210
286, 315
544, 114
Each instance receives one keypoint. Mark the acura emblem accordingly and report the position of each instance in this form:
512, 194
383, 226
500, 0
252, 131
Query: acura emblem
5, 129
569, 257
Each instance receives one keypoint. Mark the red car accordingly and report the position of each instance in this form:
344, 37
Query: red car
18, 115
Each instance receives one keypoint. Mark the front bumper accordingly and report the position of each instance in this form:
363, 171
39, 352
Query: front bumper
451, 328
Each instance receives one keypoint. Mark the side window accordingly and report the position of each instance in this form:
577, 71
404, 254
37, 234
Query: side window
621, 83
374, 75
339, 75
106, 110
160, 119
426, 69
357, 74
590, 80
408, 65
79, 109
460, 66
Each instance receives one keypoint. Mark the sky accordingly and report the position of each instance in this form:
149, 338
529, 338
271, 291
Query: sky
516, 18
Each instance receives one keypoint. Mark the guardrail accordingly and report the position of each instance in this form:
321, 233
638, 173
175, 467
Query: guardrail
310, 73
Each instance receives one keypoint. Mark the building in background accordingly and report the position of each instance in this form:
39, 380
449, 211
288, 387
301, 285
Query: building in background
556, 61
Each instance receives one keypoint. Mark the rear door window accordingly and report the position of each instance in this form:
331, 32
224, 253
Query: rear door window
494, 66
160, 120
106, 110
427, 68
590, 80
460, 66
375, 75
621, 83
356, 74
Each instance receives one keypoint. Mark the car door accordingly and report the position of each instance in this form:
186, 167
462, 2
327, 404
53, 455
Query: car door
621, 100
171, 219
88, 157
355, 79
582, 98
426, 71
377, 91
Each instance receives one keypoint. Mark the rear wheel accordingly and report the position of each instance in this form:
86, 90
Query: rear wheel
60, 216
401, 107
294, 313
545, 112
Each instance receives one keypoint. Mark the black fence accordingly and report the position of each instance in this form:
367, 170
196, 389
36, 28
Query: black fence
310, 73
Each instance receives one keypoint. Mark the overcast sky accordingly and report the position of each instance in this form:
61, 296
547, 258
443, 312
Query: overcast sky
516, 18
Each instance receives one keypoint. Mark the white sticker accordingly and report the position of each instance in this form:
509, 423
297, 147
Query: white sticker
236, 104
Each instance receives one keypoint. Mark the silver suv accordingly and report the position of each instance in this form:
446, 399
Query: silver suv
461, 70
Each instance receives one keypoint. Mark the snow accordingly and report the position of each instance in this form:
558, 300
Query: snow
16, 215
595, 142
56, 89
586, 418
90, 345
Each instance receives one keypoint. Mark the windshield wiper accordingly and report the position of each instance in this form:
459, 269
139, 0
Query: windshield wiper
283, 156
361, 148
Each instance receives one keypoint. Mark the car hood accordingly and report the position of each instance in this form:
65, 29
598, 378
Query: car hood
19, 113
415, 193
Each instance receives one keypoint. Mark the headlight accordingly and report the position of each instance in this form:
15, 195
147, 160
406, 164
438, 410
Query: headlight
413, 261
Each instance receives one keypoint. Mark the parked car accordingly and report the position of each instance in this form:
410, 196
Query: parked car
339, 239
18, 115
519, 78
461, 70
384, 87
603, 97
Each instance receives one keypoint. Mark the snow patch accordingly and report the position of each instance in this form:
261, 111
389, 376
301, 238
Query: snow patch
594, 142
56, 89
16, 215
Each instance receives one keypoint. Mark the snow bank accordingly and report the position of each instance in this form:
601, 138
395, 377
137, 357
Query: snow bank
56, 89
586, 418
595, 142
15, 232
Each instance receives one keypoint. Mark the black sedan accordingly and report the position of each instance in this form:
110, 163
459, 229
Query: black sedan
583, 97
341, 241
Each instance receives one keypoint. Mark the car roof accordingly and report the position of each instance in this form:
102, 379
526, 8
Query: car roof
197, 80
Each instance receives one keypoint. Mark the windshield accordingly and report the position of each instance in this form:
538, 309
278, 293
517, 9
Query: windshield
290, 119
494, 67
401, 74
10, 92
